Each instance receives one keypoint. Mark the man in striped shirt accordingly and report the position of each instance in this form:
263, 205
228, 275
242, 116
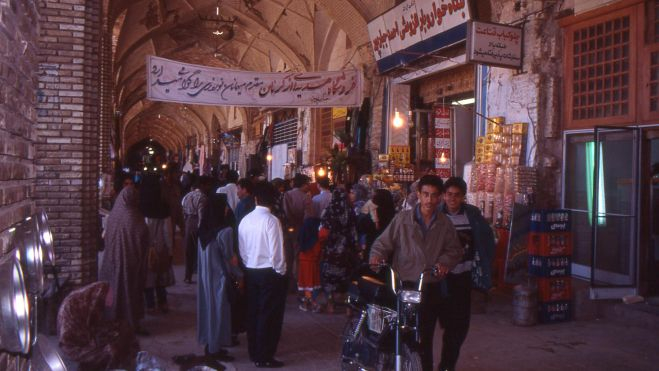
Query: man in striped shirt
477, 239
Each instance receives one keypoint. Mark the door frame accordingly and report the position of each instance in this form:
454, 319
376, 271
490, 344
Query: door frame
598, 291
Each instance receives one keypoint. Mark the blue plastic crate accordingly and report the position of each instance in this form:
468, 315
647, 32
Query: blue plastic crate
554, 311
551, 220
549, 266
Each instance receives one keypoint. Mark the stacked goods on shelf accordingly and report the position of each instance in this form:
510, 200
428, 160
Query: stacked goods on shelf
399, 155
495, 177
550, 258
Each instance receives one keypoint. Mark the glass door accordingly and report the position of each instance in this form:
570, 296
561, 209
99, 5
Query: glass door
652, 221
612, 178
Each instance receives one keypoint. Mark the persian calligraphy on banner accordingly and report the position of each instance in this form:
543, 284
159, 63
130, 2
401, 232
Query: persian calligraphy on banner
494, 44
172, 81
416, 27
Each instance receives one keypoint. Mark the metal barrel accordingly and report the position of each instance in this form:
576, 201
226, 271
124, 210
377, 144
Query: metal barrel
525, 305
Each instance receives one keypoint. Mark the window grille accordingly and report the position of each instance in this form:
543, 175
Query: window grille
285, 132
601, 61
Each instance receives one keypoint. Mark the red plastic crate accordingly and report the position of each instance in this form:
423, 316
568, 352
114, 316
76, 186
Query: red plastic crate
554, 289
550, 244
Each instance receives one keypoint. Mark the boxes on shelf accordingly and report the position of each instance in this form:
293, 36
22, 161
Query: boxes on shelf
554, 311
550, 244
549, 266
556, 220
554, 289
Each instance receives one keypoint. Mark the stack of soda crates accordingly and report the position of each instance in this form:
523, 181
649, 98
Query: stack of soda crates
550, 259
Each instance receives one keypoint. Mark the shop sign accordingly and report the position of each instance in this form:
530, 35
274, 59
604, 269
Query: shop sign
415, 28
173, 81
494, 44
442, 123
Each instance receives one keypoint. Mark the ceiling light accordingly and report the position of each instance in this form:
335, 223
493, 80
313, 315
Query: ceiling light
398, 121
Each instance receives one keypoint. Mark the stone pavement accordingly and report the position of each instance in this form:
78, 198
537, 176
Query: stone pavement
312, 341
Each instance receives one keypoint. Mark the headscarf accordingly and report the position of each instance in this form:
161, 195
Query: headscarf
214, 219
361, 196
386, 209
152, 202
337, 215
124, 260
125, 211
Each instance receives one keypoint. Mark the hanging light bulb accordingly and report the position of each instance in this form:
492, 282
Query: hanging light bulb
443, 158
398, 121
321, 172
268, 157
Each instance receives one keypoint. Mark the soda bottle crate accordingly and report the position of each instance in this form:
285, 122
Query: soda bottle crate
554, 289
550, 220
550, 244
549, 266
554, 311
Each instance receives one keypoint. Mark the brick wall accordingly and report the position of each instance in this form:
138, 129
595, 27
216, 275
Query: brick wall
18, 71
18, 67
67, 157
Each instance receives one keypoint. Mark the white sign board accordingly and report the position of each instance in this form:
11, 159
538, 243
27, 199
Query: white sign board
415, 28
494, 44
173, 81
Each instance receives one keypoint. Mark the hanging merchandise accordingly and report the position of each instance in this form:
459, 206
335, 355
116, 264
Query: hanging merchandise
443, 141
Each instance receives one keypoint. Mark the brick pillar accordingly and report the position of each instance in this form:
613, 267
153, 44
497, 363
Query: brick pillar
68, 131
106, 104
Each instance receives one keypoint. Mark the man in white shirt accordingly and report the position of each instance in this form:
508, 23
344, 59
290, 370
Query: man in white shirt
261, 245
231, 189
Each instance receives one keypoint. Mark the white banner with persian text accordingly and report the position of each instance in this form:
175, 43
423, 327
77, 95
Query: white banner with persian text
172, 81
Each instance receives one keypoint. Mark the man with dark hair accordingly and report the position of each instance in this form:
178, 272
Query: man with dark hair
477, 239
194, 204
246, 203
297, 207
415, 240
262, 250
231, 189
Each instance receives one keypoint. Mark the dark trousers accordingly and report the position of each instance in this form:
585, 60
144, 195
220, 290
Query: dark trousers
266, 299
160, 294
450, 304
190, 237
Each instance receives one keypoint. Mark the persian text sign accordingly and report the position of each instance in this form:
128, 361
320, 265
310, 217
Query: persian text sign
494, 44
172, 81
416, 27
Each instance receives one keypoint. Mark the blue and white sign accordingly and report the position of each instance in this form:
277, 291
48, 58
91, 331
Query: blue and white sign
415, 28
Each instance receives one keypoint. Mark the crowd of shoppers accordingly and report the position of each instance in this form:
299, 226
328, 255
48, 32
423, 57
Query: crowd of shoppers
250, 241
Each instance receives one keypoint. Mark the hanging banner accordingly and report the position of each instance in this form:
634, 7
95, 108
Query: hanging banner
172, 81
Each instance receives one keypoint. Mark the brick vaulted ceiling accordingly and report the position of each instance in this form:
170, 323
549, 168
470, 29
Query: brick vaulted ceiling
270, 35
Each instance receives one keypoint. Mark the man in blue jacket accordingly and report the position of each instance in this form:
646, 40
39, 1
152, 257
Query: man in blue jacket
474, 270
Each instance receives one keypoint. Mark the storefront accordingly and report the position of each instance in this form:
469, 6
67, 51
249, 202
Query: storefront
611, 150
430, 90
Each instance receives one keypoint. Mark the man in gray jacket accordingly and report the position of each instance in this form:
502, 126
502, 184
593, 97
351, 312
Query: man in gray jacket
418, 239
